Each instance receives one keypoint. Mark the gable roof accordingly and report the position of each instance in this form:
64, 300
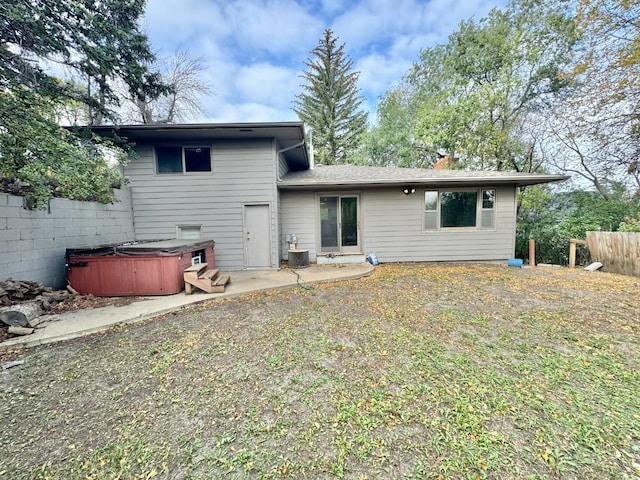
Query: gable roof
354, 175
289, 136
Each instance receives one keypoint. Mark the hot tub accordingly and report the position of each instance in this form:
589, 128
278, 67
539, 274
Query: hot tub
135, 268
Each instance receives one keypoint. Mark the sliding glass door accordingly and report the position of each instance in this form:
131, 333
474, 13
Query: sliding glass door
339, 223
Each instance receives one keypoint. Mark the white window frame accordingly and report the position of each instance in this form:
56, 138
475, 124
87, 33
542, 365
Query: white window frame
181, 229
340, 248
481, 211
183, 160
484, 210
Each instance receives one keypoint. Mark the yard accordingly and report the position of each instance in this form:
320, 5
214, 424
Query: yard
419, 371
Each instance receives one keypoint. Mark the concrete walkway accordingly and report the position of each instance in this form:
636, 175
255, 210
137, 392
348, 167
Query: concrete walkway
84, 322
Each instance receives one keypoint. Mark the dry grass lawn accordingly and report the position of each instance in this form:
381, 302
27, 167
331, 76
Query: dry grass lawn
420, 371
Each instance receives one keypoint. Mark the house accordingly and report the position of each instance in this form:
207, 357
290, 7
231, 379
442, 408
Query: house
250, 186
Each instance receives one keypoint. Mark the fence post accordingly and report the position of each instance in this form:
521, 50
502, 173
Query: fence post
532, 252
572, 254
572, 251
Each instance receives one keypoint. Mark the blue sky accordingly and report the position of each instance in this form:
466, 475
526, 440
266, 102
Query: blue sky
254, 49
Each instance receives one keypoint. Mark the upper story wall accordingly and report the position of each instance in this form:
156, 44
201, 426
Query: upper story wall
283, 166
242, 172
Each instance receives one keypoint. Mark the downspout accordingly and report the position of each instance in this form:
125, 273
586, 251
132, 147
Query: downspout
278, 152
312, 160
310, 143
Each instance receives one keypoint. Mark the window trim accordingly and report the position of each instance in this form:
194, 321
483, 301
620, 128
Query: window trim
479, 210
182, 228
183, 159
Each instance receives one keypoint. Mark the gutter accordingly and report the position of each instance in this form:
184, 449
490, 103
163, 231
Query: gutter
518, 181
291, 147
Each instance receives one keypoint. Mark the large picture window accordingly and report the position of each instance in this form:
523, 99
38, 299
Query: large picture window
183, 159
464, 209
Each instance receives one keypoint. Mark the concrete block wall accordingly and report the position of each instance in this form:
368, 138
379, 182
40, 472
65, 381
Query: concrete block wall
33, 242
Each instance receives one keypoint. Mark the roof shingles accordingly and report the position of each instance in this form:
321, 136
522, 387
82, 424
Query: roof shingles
344, 175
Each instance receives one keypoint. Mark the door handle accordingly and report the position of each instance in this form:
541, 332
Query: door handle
248, 236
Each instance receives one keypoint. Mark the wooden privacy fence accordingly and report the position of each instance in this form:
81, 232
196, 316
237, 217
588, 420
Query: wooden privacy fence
619, 252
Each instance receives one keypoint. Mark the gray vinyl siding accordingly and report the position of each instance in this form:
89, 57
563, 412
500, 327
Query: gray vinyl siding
283, 166
392, 227
298, 214
242, 173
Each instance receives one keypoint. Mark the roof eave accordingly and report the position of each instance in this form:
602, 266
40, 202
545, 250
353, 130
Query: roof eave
435, 182
195, 126
289, 135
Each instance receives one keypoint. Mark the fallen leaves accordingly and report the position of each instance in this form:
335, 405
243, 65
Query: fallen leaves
417, 371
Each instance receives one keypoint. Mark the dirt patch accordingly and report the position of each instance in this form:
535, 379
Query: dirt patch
436, 371
81, 302
78, 302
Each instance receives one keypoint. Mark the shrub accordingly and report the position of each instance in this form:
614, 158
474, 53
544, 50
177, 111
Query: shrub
630, 224
553, 218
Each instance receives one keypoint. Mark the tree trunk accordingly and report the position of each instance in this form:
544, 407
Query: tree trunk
21, 313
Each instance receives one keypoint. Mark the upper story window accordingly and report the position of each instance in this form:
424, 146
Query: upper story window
468, 209
183, 159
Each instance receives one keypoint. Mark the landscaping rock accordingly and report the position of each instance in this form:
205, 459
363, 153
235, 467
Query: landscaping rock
14, 318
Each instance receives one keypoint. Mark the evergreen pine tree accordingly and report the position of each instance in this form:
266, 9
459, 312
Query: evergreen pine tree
330, 102
101, 46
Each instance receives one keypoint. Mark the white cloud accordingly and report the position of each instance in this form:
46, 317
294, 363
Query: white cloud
254, 27
332, 7
378, 73
274, 26
266, 82
172, 25
378, 22
251, 112
255, 49
257, 92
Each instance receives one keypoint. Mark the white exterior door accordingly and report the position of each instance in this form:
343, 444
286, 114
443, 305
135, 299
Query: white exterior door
257, 236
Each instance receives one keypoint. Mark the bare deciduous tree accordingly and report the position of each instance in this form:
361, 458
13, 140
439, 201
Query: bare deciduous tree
184, 101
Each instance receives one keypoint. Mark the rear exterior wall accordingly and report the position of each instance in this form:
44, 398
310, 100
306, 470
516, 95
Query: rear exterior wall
392, 227
243, 173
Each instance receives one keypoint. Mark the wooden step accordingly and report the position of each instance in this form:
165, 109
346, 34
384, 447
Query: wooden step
217, 285
213, 273
197, 267
208, 281
222, 280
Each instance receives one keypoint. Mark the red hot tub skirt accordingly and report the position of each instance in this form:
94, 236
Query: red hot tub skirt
135, 268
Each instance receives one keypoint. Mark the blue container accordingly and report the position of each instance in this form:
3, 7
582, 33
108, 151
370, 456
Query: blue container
515, 262
372, 259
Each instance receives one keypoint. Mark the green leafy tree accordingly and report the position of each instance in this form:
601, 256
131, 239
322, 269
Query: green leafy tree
598, 126
41, 160
480, 95
391, 141
98, 42
630, 223
330, 102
